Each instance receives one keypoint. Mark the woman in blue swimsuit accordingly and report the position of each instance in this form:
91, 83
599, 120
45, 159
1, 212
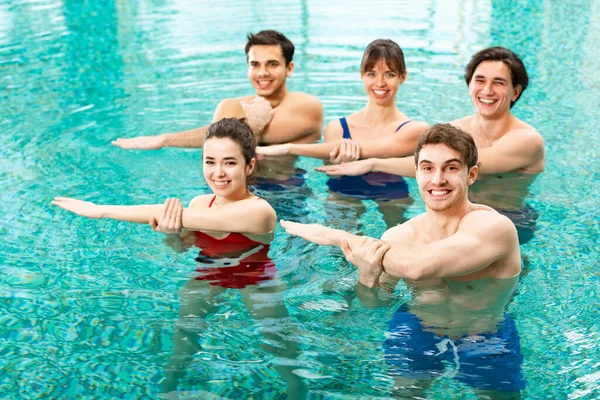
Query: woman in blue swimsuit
379, 129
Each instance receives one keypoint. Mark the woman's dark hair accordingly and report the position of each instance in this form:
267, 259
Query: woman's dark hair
518, 73
236, 130
271, 38
383, 49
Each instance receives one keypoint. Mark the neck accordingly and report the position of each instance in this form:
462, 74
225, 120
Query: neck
276, 98
232, 198
445, 223
493, 127
381, 114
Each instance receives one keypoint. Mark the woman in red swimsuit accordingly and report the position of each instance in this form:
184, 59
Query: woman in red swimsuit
233, 228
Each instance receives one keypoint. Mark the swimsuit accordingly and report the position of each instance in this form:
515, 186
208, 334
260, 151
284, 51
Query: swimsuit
234, 261
372, 185
270, 184
491, 361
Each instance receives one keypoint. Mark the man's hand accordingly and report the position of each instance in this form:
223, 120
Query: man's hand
348, 150
273, 150
170, 221
140, 143
259, 114
367, 256
79, 207
315, 233
353, 168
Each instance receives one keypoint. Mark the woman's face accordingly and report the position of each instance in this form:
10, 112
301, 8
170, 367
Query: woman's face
225, 169
381, 83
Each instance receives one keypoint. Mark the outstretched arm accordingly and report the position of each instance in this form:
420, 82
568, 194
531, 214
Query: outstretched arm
257, 112
244, 216
404, 166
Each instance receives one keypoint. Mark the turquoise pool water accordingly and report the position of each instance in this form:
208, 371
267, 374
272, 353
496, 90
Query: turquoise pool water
89, 309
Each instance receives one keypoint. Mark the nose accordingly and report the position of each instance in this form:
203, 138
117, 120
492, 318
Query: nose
380, 81
438, 177
263, 71
220, 171
487, 89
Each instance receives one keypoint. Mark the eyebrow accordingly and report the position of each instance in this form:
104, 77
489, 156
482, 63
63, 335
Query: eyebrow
444, 163
224, 158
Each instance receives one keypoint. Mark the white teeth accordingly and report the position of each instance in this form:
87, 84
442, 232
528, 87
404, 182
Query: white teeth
380, 92
220, 183
439, 192
487, 101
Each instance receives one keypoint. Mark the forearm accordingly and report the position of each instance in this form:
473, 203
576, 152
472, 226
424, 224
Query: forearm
404, 166
314, 150
138, 214
193, 138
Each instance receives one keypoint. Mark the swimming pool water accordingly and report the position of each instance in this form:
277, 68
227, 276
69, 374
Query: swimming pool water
89, 308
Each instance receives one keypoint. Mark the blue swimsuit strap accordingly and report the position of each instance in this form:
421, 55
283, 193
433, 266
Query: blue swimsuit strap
344, 123
402, 124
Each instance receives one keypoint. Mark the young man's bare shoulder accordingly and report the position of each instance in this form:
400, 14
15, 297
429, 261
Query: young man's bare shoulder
304, 101
463, 123
525, 132
486, 219
405, 232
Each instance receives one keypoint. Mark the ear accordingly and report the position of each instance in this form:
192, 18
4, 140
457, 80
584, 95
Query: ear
516, 92
250, 167
403, 77
289, 69
473, 172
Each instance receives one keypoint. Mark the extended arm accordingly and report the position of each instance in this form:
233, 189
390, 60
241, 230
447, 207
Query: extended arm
298, 119
244, 216
404, 166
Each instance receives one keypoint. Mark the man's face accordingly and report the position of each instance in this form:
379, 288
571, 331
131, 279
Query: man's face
267, 70
491, 88
443, 177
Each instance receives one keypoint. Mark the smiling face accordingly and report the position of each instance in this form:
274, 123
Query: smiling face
225, 169
381, 83
491, 89
443, 177
267, 70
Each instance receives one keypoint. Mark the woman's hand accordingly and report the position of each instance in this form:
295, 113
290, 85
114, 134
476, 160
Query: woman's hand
348, 150
79, 207
171, 219
351, 168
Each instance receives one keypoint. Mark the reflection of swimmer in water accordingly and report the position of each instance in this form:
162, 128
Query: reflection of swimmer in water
380, 129
235, 224
511, 152
462, 262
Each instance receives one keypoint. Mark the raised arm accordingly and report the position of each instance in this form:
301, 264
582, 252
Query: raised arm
244, 216
483, 237
520, 150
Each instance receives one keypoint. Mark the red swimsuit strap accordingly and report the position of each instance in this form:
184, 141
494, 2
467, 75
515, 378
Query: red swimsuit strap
212, 201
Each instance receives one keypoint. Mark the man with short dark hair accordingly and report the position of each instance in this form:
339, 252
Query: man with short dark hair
462, 262
274, 114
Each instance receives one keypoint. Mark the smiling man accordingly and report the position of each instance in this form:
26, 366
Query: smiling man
462, 262
274, 114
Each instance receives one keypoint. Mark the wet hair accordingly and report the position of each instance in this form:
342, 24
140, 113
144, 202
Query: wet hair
450, 136
518, 73
383, 49
271, 38
236, 130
